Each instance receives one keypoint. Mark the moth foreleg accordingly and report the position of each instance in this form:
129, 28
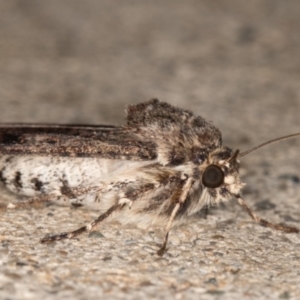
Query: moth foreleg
181, 200
162, 249
86, 228
262, 222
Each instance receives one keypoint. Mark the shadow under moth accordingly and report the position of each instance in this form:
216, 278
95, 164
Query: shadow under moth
163, 166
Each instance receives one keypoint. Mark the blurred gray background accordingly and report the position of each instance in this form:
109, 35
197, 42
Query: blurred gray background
236, 63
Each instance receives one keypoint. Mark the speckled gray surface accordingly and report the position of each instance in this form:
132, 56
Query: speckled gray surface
236, 63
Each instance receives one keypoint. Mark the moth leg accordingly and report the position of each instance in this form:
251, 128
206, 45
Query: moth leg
174, 213
126, 201
262, 222
162, 249
206, 211
29, 202
86, 228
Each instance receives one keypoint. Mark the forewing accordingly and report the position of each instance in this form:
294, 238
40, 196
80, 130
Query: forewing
74, 141
154, 130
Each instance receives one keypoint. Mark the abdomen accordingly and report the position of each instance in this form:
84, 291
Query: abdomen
32, 176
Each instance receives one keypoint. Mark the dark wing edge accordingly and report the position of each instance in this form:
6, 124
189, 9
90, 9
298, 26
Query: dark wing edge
105, 141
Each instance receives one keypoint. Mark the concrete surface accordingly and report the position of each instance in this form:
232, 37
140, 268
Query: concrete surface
236, 63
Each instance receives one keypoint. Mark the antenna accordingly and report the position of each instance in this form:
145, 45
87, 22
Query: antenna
269, 142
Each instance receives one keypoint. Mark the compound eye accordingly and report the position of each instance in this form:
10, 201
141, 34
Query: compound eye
213, 176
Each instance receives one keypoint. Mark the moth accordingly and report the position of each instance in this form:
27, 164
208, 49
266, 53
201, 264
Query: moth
163, 166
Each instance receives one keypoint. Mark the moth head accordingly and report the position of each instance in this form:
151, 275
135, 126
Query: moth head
220, 173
